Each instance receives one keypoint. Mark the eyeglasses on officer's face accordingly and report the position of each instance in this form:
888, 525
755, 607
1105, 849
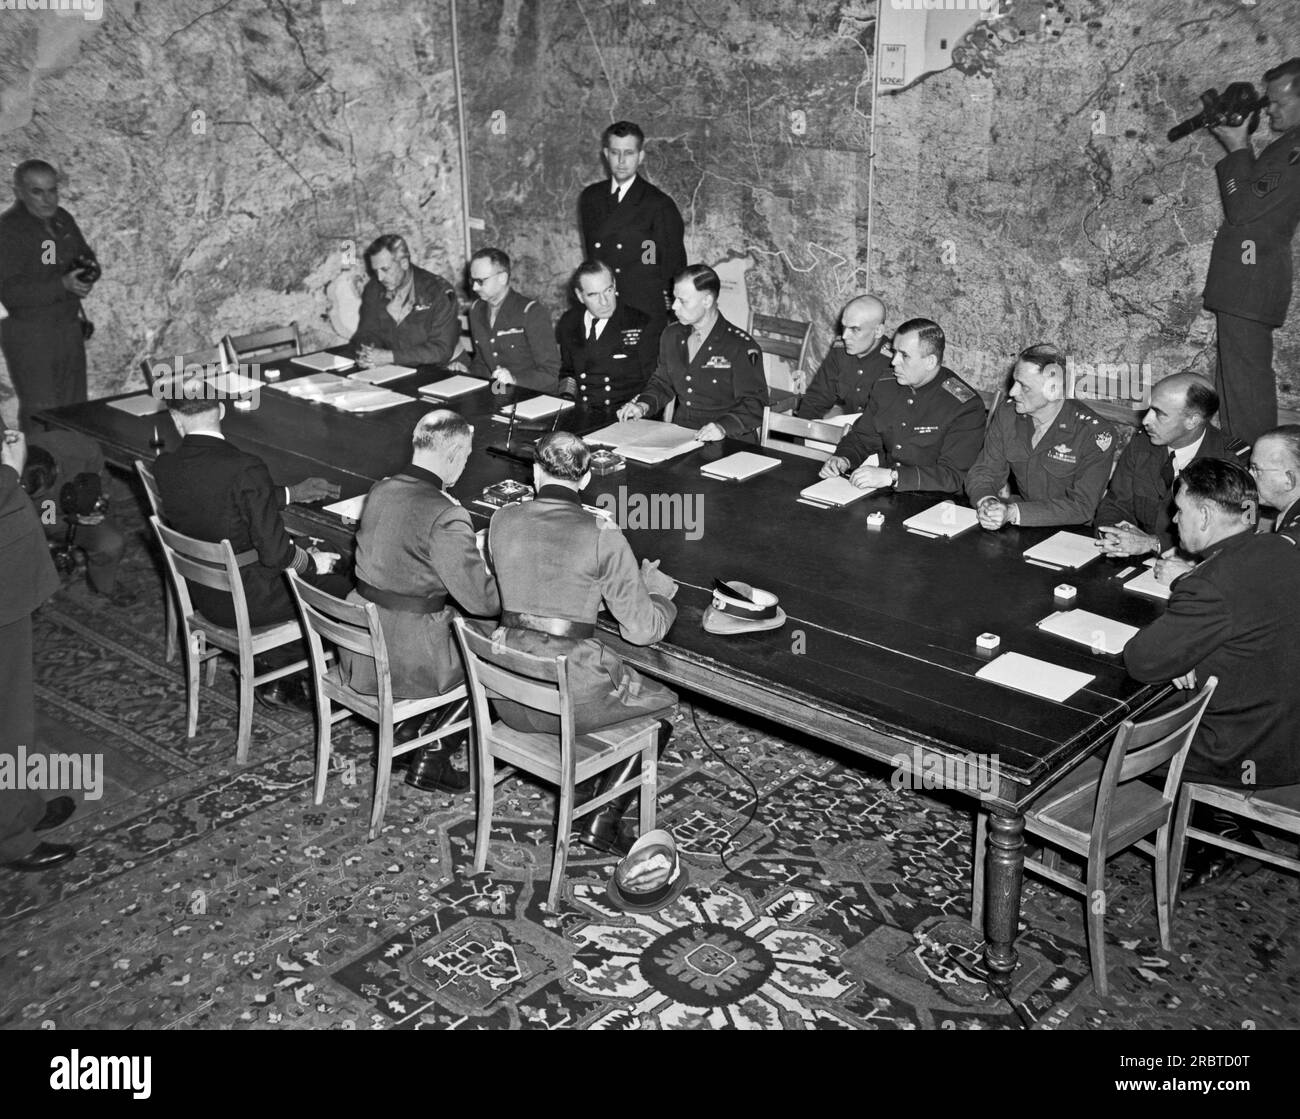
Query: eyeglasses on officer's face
479, 281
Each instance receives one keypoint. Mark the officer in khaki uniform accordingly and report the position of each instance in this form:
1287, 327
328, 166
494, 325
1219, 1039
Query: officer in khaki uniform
514, 342
607, 349
1248, 285
712, 369
925, 422
1059, 451
855, 362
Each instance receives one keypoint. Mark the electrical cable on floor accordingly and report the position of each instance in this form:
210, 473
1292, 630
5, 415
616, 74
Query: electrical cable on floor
730, 841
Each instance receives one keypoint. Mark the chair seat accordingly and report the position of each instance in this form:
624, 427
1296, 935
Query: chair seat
368, 705
267, 636
1257, 801
1063, 815
540, 753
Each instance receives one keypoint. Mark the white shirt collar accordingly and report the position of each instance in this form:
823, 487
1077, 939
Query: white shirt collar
623, 188
587, 319
1184, 455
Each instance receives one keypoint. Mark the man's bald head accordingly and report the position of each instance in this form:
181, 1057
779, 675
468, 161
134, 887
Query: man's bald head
862, 323
1181, 407
1275, 464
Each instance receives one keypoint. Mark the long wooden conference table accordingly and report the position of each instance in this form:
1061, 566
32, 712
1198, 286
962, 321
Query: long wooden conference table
878, 653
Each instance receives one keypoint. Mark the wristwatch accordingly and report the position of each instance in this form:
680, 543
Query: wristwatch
893, 477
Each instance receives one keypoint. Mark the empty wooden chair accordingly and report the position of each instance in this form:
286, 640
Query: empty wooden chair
214, 565
209, 358
355, 627
1099, 809
784, 343
155, 504
781, 432
564, 760
263, 347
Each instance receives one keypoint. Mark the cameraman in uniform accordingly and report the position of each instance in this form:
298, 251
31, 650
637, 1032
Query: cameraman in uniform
46, 269
1248, 286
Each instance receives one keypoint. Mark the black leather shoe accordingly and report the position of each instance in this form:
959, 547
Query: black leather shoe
1218, 866
431, 768
42, 857
56, 811
603, 830
285, 694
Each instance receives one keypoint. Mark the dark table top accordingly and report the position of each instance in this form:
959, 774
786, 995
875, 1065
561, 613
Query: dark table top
878, 651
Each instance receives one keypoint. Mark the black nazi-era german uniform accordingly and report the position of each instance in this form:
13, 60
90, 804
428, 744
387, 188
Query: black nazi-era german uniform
1061, 480
845, 380
723, 385
1248, 285
931, 433
612, 368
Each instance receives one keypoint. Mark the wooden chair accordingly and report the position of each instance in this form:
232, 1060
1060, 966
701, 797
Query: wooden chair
1098, 810
787, 433
155, 505
565, 760
263, 347
215, 565
1275, 808
165, 365
784, 343
355, 627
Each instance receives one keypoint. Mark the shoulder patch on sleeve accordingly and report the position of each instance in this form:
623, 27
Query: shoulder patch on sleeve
956, 388
755, 356
1104, 439
529, 305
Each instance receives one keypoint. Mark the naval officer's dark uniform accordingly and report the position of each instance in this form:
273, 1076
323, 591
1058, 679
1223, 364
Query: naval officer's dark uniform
930, 433
844, 380
724, 384
1248, 285
613, 367
1061, 480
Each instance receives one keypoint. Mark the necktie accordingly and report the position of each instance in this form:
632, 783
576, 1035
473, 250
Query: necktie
1167, 472
591, 335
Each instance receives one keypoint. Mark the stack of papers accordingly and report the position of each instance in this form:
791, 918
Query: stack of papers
141, 404
342, 393
832, 493
945, 519
452, 386
1064, 550
741, 465
381, 374
349, 508
1100, 634
648, 441
536, 409
1147, 584
1040, 678
235, 384
324, 363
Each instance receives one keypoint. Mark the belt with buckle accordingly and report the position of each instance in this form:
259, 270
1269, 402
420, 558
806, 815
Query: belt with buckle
403, 603
556, 627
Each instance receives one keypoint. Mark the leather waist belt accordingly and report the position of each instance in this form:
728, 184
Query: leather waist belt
404, 603
243, 559
556, 627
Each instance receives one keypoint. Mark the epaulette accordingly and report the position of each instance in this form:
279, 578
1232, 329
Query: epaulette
955, 387
838, 344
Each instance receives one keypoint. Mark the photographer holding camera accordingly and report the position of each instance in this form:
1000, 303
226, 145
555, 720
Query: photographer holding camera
1248, 285
46, 269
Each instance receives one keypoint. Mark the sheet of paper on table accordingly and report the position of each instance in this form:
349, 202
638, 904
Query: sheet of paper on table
381, 374
141, 404
1029, 674
741, 465
832, 493
349, 508
324, 363
536, 409
342, 393
1098, 633
450, 387
647, 441
1064, 550
947, 519
1147, 584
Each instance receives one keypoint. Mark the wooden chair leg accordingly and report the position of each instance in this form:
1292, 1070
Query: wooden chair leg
194, 646
324, 727
210, 676
977, 869
1095, 901
173, 645
383, 771
245, 734
1163, 910
1178, 844
649, 782
563, 829
486, 791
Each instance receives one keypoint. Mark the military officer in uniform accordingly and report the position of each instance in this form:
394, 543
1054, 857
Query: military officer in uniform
712, 369
607, 350
633, 226
408, 316
1058, 451
1135, 516
556, 565
416, 555
1248, 285
43, 341
855, 362
1275, 466
514, 343
925, 423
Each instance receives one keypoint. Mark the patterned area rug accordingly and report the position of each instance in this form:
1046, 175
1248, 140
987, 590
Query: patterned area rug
216, 896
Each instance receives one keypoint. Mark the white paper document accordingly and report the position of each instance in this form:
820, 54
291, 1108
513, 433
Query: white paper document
324, 362
1149, 585
1040, 678
1100, 634
342, 393
141, 404
349, 508
832, 493
741, 465
449, 387
381, 374
1064, 550
648, 441
945, 519
536, 409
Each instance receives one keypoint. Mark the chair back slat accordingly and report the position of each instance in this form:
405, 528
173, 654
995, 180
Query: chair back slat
164, 365
267, 345
150, 484
796, 430
345, 625
211, 565
522, 677
784, 343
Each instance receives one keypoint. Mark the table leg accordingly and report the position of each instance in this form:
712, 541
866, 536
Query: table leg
1004, 870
